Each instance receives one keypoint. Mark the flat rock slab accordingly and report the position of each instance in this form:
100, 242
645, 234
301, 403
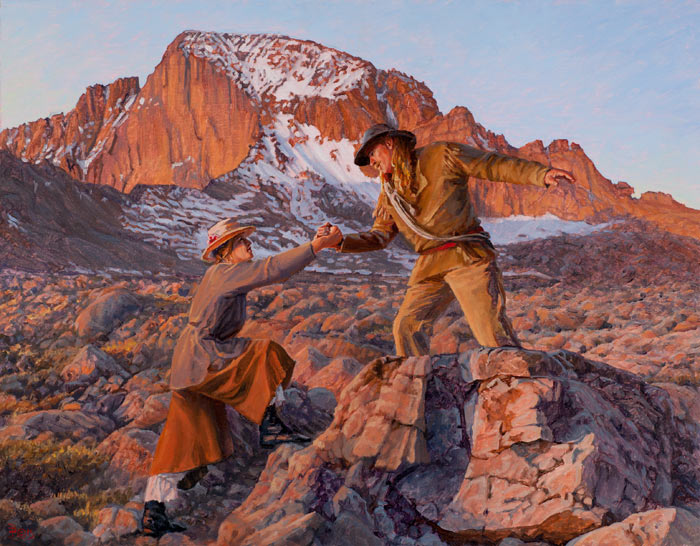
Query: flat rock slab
89, 364
73, 424
667, 527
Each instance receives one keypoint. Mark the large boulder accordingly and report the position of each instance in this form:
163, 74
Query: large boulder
114, 522
130, 452
142, 409
106, 312
309, 412
55, 530
89, 364
62, 424
481, 446
48, 508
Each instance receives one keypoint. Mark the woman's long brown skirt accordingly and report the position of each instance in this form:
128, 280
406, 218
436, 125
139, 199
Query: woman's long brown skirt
197, 431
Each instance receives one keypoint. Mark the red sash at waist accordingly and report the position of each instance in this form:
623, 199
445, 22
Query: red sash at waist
451, 244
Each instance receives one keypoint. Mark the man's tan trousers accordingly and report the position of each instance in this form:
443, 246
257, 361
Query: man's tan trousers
479, 290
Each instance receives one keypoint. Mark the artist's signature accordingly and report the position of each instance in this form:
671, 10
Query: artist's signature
19, 532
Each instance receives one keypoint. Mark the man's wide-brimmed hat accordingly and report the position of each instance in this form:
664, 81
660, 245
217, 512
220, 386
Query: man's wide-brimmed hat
373, 134
223, 231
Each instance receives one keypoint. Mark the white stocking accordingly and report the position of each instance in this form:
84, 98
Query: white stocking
163, 487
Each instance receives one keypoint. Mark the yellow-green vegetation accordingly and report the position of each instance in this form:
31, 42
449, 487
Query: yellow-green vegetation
119, 348
84, 507
33, 470
680, 374
54, 358
171, 298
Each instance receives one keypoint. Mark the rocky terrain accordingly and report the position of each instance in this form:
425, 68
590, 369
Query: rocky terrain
592, 428
589, 434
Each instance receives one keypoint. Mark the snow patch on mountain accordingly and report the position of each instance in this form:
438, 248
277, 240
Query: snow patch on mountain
516, 229
278, 67
178, 218
298, 161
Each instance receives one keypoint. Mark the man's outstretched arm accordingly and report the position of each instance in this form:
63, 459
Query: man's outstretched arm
466, 160
366, 241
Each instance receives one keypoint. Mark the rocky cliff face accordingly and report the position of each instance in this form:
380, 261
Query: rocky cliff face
290, 113
71, 141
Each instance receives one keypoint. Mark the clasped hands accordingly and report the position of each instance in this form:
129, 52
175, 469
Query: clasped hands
327, 236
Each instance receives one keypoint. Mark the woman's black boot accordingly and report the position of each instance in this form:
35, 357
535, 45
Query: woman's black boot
154, 521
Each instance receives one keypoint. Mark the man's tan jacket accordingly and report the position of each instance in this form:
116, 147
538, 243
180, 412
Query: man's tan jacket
440, 200
218, 312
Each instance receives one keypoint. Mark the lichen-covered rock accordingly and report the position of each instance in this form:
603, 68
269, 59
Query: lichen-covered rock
106, 313
80, 538
116, 521
48, 508
155, 410
130, 452
57, 529
142, 409
77, 425
89, 364
381, 416
177, 539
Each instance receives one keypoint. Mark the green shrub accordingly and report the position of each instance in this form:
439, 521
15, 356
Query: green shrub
84, 507
34, 470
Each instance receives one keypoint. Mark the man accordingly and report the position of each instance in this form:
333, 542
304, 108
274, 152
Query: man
424, 197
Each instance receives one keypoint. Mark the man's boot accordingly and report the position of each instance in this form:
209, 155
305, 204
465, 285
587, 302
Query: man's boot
274, 432
154, 521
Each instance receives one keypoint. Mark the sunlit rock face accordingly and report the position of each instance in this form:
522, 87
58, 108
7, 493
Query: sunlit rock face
268, 110
480, 446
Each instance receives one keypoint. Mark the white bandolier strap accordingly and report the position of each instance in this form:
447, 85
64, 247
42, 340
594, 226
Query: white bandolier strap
403, 208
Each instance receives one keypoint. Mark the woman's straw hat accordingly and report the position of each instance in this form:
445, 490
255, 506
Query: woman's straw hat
223, 231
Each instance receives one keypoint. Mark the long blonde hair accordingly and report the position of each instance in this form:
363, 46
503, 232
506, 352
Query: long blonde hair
403, 164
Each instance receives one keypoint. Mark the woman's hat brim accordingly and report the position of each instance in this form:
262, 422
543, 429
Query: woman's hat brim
242, 231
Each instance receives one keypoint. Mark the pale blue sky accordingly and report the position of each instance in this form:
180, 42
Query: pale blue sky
622, 79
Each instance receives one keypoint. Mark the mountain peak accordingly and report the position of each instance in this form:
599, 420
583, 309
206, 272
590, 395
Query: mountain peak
277, 68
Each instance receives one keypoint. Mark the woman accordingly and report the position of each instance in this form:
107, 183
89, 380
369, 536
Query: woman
211, 367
